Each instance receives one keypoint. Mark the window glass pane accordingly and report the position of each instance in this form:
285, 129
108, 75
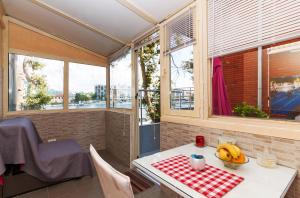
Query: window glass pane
235, 84
120, 82
283, 80
182, 79
87, 86
35, 83
241, 88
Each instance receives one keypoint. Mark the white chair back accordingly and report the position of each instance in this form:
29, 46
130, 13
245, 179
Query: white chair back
114, 184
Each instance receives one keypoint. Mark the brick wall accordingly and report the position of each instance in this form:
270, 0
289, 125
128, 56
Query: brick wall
240, 73
118, 135
86, 127
287, 151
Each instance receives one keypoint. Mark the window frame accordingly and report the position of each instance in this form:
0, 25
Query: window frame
256, 126
68, 77
198, 67
66, 61
132, 84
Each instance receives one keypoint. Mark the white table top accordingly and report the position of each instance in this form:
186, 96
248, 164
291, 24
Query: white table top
259, 182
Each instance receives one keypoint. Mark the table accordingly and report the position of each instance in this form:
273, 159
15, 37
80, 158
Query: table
259, 182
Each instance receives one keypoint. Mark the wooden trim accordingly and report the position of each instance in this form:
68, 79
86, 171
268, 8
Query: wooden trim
2, 12
76, 20
165, 70
5, 66
47, 56
202, 37
108, 87
34, 29
135, 135
138, 11
66, 86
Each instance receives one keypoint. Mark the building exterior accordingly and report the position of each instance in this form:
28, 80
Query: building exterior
100, 91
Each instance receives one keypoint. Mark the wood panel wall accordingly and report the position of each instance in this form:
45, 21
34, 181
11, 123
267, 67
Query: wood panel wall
22, 38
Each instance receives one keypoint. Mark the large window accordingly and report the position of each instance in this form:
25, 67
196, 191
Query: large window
35, 83
181, 41
256, 59
87, 86
266, 88
120, 82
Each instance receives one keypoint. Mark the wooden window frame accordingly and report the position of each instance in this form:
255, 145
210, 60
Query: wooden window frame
274, 128
198, 57
65, 85
132, 85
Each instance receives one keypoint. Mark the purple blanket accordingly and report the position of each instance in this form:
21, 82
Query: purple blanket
50, 162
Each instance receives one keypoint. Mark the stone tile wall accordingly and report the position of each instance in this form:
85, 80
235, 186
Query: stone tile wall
118, 135
86, 127
287, 151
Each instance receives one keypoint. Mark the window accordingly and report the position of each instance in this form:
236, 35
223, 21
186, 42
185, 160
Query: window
182, 83
35, 83
281, 80
255, 66
120, 82
87, 86
181, 41
269, 92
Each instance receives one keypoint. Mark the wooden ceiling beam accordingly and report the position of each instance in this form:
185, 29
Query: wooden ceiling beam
76, 20
138, 11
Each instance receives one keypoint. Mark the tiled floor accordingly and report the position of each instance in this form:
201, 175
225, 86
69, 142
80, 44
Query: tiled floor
87, 187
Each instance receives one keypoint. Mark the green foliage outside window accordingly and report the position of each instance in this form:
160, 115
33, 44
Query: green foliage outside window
37, 90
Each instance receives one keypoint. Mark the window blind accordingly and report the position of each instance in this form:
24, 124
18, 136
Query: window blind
236, 25
152, 37
181, 31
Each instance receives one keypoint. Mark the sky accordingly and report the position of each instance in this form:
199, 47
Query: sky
82, 78
179, 77
120, 74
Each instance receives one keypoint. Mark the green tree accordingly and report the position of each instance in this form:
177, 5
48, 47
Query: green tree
37, 90
81, 97
149, 62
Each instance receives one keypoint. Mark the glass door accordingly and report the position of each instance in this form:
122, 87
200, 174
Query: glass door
148, 97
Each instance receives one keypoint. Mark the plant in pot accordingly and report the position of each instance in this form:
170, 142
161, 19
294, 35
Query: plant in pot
246, 110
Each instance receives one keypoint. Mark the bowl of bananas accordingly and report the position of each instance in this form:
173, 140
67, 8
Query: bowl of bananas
231, 155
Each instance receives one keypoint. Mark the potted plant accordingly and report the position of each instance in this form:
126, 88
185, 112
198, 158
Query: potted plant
246, 110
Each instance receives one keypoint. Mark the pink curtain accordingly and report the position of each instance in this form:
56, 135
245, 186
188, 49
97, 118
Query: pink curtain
1, 180
220, 101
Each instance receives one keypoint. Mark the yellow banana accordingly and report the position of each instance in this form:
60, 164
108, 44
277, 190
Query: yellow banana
224, 155
232, 149
237, 149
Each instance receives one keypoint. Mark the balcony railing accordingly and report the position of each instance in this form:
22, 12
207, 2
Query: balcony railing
182, 98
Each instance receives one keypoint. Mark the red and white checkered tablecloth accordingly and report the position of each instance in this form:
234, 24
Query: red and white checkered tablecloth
212, 182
